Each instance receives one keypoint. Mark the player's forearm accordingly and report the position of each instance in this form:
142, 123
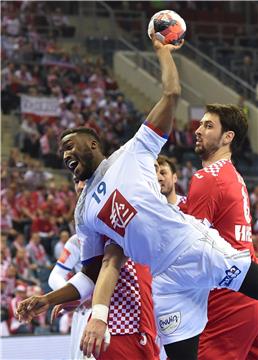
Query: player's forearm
161, 116
169, 74
65, 294
105, 287
108, 276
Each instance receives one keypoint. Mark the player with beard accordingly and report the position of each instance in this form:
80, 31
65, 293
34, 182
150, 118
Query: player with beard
218, 194
167, 178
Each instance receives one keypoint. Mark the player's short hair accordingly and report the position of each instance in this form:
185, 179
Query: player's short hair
232, 118
82, 130
165, 160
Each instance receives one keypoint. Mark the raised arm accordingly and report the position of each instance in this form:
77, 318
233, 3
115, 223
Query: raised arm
161, 116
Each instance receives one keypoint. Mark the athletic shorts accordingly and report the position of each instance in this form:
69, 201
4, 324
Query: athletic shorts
181, 292
131, 347
232, 316
138, 346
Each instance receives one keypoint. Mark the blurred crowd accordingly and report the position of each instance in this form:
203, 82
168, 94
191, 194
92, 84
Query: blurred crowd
36, 221
37, 209
87, 93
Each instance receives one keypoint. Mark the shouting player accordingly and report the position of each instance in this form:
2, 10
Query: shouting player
122, 200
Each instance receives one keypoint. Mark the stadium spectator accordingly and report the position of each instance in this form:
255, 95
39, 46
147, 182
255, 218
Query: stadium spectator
44, 226
10, 99
48, 146
11, 24
58, 21
18, 243
5, 255
24, 77
24, 266
59, 246
187, 172
37, 252
36, 176
28, 137
6, 221
4, 309
12, 280
15, 158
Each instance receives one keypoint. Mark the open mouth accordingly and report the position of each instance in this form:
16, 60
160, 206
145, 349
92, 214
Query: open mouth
72, 164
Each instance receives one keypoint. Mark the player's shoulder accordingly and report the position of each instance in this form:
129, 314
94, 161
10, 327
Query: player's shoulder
218, 170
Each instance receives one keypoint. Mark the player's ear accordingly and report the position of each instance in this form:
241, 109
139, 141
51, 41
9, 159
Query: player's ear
228, 137
94, 144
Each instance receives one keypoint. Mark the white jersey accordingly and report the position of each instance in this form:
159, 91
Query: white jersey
67, 262
122, 200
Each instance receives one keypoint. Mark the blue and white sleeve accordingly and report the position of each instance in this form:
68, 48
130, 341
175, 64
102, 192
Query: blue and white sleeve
149, 140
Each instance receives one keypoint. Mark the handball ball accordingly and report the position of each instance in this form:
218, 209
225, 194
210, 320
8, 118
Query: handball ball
168, 27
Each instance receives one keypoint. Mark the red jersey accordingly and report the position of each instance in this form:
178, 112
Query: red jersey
218, 194
131, 306
147, 322
131, 315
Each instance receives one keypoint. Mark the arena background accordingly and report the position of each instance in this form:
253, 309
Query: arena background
67, 64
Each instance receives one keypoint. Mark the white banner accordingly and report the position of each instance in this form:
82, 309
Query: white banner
41, 106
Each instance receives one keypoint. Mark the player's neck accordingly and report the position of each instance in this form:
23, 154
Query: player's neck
172, 198
220, 154
99, 160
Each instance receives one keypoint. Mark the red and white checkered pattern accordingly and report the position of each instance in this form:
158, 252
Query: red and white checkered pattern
125, 306
215, 168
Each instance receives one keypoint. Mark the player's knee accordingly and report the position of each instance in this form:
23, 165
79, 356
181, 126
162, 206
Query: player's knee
249, 286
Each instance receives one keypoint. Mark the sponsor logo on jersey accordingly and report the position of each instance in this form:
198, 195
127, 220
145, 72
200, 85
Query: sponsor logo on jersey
231, 274
117, 212
64, 256
243, 233
169, 323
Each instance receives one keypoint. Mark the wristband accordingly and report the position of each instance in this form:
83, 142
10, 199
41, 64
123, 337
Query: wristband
100, 312
83, 284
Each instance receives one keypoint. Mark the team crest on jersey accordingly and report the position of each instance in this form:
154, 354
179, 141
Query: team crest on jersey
117, 212
231, 274
169, 323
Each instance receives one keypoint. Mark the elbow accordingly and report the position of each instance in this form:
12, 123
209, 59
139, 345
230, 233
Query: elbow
171, 98
173, 93
112, 265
